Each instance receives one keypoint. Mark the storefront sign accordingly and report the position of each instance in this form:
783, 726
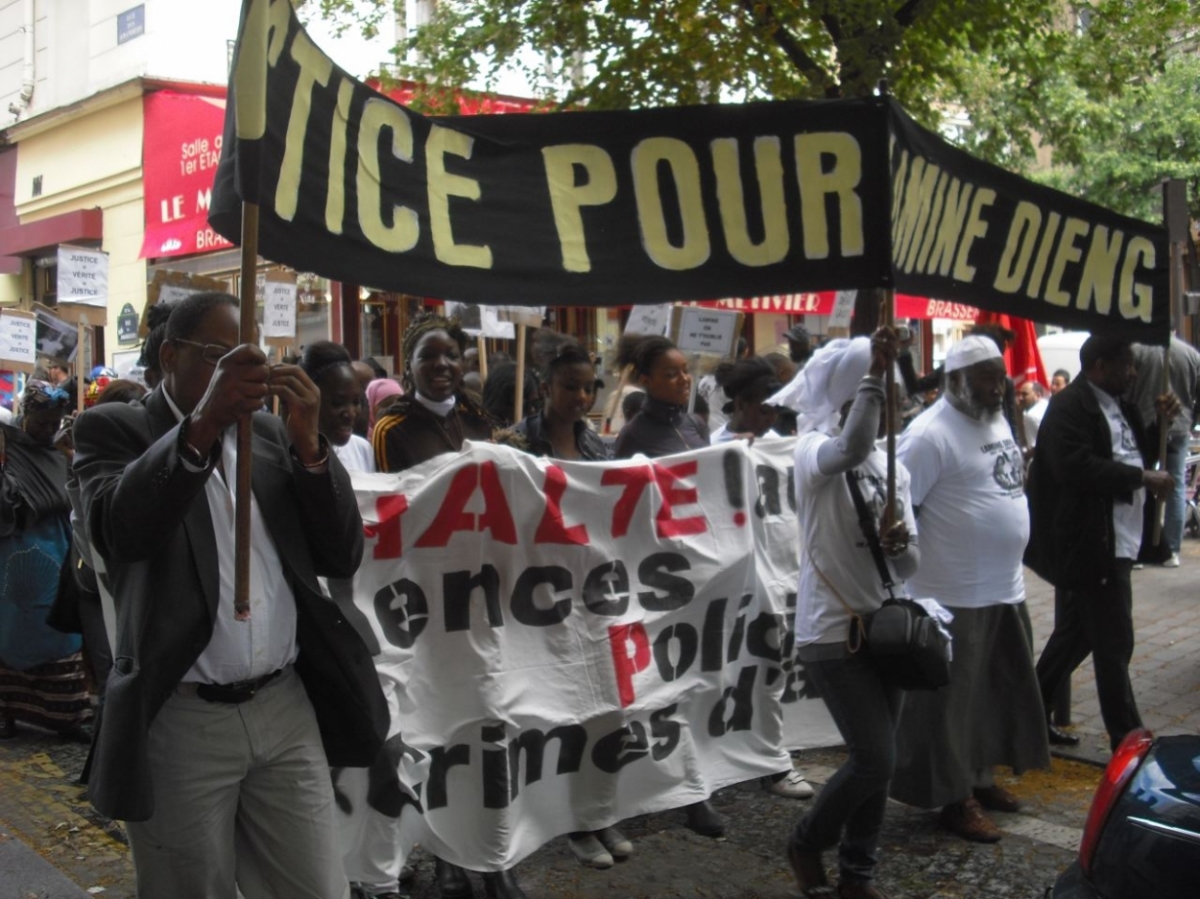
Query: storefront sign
181, 149
656, 205
82, 276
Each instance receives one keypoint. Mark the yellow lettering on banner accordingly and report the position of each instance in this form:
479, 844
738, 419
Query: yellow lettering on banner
1136, 300
1034, 287
685, 171
898, 181
841, 180
1018, 251
954, 218
1068, 251
335, 196
931, 230
731, 199
261, 43
975, 229
919, 197
315, 69
442, 186
1100, 270
404, 230
567, 198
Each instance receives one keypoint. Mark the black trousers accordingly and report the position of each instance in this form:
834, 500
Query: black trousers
1098, 621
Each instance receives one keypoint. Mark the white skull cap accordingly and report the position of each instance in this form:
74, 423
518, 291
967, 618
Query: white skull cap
970, 350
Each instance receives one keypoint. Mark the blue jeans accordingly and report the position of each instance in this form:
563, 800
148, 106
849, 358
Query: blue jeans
1177, 452
848, 812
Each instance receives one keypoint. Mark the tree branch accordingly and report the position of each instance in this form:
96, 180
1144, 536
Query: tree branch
763, 15
909, 12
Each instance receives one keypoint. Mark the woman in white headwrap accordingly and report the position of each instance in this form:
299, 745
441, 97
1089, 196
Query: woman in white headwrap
840, 397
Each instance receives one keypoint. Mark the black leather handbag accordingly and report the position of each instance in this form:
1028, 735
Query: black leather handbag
900, 638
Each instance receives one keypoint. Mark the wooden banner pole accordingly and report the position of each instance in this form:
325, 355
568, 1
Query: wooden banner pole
519, 400
481, 345
79, 362
242, 490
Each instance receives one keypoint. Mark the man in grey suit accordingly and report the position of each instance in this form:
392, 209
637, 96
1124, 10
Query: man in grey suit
218, 728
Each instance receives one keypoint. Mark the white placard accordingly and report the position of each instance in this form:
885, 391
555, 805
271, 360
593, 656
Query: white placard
82, 276
707, 330
478, 320
18, 338
843, 309
649, 320
279, 310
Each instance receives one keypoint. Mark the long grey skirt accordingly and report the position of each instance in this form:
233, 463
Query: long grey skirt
990, 714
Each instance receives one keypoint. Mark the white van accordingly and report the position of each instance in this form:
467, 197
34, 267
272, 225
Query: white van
1061, 351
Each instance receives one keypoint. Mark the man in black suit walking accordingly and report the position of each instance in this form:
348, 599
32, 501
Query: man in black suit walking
218, 729
1091, 467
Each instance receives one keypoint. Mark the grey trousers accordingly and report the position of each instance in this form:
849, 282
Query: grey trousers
242, 801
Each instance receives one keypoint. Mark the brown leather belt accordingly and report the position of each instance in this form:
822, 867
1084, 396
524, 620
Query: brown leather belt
230, 693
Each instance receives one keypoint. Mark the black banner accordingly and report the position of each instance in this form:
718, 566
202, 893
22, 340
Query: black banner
607, 208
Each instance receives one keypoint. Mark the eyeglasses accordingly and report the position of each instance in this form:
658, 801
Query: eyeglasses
209, 352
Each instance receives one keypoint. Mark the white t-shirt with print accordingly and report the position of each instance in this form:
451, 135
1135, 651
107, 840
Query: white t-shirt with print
968, 487
1127, 517
831, 537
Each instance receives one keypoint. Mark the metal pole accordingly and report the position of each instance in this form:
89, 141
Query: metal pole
242, 490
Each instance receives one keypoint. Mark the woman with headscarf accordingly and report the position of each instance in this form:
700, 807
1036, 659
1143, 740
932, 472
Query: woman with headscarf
380, 393
840, 398
41, 670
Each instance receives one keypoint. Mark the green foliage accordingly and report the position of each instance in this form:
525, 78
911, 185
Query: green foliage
1104, 106
636, 53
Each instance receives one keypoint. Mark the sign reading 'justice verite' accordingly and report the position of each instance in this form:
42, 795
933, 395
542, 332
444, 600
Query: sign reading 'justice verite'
599, 208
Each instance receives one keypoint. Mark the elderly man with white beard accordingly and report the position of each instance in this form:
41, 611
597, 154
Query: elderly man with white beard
967, 490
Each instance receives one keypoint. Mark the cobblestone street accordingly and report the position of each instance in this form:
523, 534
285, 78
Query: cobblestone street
52, 846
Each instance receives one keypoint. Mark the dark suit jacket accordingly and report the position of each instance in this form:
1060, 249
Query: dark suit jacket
1072, 485
147, 516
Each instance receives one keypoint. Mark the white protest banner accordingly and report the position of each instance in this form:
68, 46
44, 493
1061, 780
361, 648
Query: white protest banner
18, 340
279, 310
565, 645
82, 276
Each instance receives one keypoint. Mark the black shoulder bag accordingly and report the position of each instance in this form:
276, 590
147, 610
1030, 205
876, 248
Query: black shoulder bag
903, 642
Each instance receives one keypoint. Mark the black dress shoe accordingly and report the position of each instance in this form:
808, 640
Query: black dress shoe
1059, 737
452, 881
502, 885
705, 820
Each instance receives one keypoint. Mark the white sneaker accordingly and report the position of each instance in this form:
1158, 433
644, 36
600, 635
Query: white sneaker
1172, 562
791, 786
618, 846
590, 852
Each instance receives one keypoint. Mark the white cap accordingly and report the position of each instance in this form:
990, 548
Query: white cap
970, 350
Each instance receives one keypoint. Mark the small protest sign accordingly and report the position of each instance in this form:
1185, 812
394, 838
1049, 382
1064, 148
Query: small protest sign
18, 340
279, 309
82, 276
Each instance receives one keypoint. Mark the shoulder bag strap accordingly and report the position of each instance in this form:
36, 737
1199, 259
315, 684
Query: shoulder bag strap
858, 628
867, 523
